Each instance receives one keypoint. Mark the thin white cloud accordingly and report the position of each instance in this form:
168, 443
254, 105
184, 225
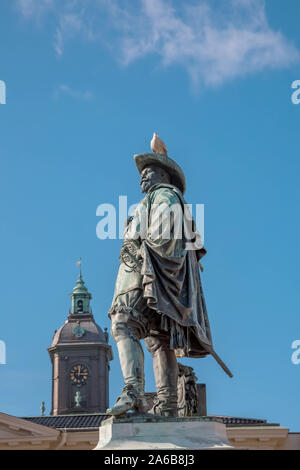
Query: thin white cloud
59, 42
76, 94
215, 41
34, 8
70, 25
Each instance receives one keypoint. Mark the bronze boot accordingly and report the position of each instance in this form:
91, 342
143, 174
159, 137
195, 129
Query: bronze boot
166, 377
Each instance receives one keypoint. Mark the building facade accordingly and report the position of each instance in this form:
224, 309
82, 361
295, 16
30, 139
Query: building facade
81, 432
80, 356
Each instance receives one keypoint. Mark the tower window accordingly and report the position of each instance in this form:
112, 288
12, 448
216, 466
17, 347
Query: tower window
79, 306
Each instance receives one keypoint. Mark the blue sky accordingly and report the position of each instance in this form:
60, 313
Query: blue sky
87, 85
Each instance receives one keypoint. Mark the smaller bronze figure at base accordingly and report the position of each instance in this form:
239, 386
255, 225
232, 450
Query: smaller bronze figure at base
158, 294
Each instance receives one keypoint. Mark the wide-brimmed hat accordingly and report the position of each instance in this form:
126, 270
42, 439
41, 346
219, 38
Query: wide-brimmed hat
176, 174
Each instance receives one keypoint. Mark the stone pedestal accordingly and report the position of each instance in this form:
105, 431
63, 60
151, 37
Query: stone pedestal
144, 432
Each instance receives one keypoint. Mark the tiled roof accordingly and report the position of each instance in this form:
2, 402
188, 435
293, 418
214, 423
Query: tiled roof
233, 421
80, 422
89, 422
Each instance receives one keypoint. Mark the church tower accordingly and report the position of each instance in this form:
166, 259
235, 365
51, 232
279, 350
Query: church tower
80, 356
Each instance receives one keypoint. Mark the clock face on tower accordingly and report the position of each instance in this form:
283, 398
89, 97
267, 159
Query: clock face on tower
79, 374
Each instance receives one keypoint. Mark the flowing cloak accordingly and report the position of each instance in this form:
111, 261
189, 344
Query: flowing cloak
170, 249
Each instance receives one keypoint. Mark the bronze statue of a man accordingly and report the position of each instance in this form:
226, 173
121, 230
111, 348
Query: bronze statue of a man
158, 294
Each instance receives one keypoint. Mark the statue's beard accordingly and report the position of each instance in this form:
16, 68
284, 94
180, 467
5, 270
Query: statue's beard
145, 185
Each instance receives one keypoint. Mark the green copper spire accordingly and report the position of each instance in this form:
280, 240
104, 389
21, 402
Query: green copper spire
80, 296
43, 408
80, 287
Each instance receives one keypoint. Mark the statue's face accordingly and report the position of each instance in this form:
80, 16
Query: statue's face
152, 175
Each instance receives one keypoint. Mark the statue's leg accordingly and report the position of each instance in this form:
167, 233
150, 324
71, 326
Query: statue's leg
166, 374
127, 327
132, 364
